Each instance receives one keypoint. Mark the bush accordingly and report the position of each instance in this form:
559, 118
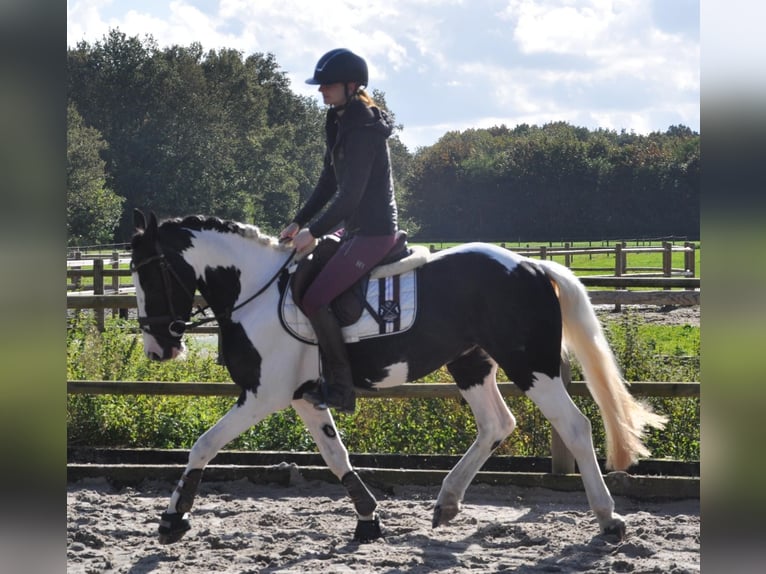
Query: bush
444, 426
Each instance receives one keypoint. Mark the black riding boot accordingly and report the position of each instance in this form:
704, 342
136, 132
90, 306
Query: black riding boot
336, 387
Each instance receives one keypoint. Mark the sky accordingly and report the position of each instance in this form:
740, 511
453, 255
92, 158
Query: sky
445, 65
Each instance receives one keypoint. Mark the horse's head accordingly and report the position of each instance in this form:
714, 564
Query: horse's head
165, 285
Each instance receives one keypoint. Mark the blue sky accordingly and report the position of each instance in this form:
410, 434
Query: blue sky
456, 64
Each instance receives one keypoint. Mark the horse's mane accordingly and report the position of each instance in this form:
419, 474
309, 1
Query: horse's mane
212, 223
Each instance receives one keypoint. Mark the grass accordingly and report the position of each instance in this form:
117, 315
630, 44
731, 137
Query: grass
603, 263
671, 340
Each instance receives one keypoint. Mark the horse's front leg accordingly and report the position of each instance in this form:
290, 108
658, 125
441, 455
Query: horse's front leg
174, 522
322, 428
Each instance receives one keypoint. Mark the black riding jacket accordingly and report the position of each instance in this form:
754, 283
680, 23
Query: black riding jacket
357, 171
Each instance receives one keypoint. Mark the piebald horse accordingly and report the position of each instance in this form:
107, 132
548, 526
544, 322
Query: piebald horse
478, 307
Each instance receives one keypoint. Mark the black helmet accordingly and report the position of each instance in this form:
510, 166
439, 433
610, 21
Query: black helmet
339, 65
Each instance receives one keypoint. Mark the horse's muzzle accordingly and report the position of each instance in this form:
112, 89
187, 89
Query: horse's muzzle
167, 354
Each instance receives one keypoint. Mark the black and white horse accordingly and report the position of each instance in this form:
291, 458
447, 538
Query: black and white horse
478, 307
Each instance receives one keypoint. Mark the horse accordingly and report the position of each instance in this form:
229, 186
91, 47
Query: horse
479, 307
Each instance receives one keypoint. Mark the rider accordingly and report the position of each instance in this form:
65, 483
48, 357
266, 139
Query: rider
356, 180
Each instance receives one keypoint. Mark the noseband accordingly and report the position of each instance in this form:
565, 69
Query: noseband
176, 324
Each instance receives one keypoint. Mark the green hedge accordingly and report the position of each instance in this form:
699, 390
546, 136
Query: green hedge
444, 426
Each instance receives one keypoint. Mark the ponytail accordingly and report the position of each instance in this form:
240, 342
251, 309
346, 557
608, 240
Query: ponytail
365, 97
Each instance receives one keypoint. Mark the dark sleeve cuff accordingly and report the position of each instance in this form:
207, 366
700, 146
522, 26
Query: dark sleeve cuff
316, 232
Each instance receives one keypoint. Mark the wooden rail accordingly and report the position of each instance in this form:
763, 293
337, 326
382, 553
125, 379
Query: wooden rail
620, 252
687, 297
562, 461
102, 268
438, 390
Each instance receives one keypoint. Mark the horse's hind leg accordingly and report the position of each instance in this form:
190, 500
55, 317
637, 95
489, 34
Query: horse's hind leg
574, 428
475, 374
174, 521
322, 428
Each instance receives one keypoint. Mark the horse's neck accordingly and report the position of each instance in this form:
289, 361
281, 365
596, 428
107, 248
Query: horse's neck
255, 260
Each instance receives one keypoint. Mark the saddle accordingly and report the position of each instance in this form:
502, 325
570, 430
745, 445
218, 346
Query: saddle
349, 305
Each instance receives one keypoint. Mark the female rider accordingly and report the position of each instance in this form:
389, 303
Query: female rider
356, 180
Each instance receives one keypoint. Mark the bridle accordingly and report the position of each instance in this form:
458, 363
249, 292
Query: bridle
177, 326
175, 322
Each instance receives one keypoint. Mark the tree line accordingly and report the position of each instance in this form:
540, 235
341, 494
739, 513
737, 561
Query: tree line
179, 130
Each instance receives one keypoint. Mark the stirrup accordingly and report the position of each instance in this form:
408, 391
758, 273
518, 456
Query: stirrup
317, 395
323, 398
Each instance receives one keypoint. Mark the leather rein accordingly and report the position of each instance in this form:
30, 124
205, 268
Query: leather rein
176, 325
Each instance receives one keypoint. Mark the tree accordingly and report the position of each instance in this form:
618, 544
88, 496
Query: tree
556, 182
93, 210
190, 132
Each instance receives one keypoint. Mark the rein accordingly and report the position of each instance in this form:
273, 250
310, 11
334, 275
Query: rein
260, 291
176, 325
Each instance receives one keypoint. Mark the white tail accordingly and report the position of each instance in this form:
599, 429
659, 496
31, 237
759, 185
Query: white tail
624, 417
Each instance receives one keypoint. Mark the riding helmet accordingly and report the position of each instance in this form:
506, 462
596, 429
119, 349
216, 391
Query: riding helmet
339, 65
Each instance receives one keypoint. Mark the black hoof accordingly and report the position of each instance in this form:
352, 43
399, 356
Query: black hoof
437, 518
615, 530
173, 526
368, 530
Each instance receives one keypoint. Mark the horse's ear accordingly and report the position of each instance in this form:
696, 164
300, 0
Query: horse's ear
152, 227
139, 221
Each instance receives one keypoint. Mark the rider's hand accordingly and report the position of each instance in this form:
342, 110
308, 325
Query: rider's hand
304, 242
289, 232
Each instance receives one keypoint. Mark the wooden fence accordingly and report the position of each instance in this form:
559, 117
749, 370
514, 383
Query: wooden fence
620, 251
99, 267
108, 292
658, 286
562, 462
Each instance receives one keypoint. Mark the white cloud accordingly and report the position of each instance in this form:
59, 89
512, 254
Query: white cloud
562, 28
449, 64
84, 20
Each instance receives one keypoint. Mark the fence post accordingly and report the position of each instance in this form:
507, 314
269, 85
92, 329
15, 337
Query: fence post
624, 257
667, 260
115, 277
689, 259
567, 256
98, 289
618, 267
77, 281
562, 461
543, 253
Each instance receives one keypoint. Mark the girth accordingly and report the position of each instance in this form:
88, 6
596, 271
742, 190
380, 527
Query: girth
349, 305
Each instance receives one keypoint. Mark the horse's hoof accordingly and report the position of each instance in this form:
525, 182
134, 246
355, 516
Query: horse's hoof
443, 514
614, 528
368, 530
173, 526
435, 521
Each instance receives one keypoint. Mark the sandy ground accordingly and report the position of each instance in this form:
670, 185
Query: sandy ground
655, 314
242, 527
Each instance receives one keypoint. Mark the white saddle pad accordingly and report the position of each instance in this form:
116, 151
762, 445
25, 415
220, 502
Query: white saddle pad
392, 298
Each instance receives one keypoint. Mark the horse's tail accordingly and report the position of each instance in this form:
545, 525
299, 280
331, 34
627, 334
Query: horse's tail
624, 416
